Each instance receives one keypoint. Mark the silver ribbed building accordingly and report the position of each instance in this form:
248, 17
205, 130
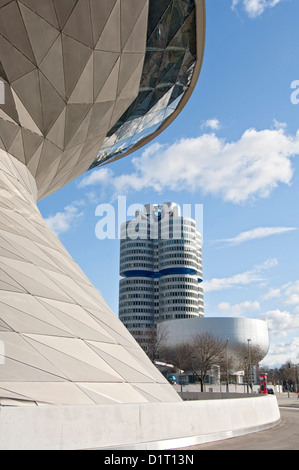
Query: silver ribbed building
161, 269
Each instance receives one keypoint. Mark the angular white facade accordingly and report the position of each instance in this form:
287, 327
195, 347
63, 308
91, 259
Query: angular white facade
72, 69
62, 343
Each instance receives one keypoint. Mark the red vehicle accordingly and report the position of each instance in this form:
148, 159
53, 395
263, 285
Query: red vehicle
263, 384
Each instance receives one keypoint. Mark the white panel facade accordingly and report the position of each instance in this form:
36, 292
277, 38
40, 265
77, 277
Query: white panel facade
71, 70
61, 342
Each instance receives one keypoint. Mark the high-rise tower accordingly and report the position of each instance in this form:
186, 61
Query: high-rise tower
161, 266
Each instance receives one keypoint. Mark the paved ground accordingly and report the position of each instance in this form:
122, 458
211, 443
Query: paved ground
285, 436
284, 400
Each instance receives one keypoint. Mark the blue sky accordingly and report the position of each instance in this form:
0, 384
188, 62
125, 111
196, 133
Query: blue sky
234, 149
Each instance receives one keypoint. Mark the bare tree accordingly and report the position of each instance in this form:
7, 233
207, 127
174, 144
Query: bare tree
180, 356
248, 355
157, 342
207, 351
287, 375
226, 364
289, 372
198, 356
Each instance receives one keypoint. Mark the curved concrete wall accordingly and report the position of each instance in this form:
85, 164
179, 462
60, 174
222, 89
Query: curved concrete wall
152, 426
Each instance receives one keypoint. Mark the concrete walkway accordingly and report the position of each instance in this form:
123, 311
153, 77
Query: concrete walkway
285, 436
290, 401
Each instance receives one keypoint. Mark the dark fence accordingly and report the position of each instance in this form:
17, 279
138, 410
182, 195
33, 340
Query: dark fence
214, 395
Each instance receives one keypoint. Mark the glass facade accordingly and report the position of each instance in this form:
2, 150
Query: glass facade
167, 74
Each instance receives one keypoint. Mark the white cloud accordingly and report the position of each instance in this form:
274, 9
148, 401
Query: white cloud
235, 3
280, 323
238, 309
282, 352
61, 222
212, 124
255, 8
279, 125
250, 167
291, 292
288, 293
257, 274
101, 176
272, 294
260, 232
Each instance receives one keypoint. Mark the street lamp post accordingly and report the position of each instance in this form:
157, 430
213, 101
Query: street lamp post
249, 357
181, 380
227, 375
246, 373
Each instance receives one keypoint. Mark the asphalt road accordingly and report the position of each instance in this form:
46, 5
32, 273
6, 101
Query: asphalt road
284, 436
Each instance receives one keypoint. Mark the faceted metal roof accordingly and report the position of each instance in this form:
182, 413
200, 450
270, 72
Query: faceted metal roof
83, 76
71, 69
